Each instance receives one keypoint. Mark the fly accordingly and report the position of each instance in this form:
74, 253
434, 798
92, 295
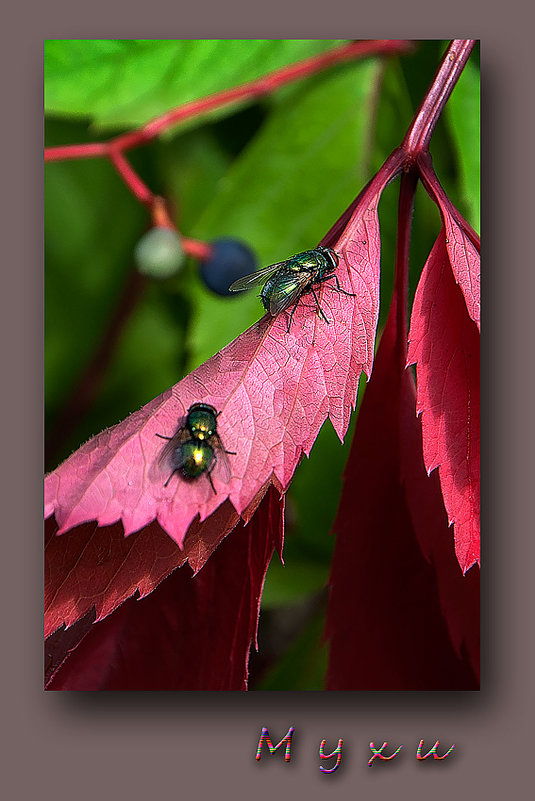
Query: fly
195, 448
286, 281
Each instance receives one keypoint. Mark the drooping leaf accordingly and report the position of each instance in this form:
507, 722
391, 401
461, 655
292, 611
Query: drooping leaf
458, 594
387, 622
444, 344
462, 243
273, 389
192, 632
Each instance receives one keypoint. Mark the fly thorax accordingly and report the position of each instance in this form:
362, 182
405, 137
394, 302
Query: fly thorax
201, 423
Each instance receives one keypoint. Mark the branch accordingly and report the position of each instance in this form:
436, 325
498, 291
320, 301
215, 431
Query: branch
247, 91
451, 66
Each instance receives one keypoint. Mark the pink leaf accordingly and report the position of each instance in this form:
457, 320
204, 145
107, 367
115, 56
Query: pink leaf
398, 618
273, 389
444, 343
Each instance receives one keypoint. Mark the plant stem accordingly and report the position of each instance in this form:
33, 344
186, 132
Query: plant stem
161, 218
407, 191
451, 66
140, 190
87, 150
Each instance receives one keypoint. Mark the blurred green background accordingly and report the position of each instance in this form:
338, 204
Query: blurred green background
276, 174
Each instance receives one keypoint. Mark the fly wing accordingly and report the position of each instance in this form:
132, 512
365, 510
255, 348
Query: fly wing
222, 467
254, 278
287, 291
165, 458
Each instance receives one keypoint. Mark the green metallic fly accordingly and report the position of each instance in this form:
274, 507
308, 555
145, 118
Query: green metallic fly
286, 281
191, 451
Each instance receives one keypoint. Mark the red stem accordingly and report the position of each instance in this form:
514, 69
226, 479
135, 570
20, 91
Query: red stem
195, 248
162, 219
63, 152
451, 66
400, 296
140, 190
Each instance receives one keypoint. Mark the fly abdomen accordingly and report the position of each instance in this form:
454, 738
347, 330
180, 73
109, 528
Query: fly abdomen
196, 456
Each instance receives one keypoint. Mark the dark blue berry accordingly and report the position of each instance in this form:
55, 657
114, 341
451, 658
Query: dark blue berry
230, 260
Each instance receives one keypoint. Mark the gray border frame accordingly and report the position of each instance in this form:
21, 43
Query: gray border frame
165, 745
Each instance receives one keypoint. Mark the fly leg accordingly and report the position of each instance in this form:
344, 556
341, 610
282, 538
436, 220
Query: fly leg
338, 287
172, 474
292, 314
208, 475
319, 310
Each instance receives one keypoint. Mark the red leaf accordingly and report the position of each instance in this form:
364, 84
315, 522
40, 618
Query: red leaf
464, 260
392, 612
461, 241
191, 633
444, 343
458, 594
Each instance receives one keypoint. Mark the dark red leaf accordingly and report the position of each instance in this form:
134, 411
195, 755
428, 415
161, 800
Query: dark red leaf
192, 632
100, 568
390, 609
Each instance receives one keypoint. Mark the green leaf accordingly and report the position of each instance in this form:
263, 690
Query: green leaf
287, 188
463, 114
125, 83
